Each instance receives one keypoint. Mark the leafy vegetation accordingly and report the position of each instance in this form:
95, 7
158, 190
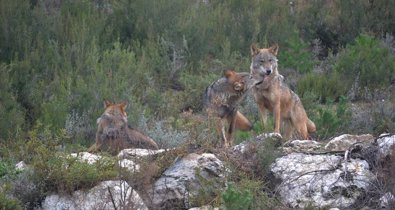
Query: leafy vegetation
235, 199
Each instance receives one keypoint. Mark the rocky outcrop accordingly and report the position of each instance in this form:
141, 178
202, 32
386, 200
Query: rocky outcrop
106, 195
324, 180
338, 174
386, 144
178, 185
345, 141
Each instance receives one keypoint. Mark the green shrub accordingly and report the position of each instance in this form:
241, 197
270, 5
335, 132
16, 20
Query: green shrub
367, 63
295, 55
236, 199
9, 203
323, 87
331, 119
364, 66
11, 113
56, 171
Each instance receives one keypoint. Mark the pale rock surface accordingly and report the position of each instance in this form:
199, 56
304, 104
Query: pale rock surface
180, 182
204, 208
301, 146
137, 152
123, 196
21, 166
86, 157
386, 199
321, 180
385, 142
345, 141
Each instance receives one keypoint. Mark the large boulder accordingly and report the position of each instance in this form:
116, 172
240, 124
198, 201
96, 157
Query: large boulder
321, 180
302, 146
106, 195
386, 144
181, 182
345, 141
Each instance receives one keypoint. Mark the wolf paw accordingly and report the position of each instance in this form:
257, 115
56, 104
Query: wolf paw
277, 135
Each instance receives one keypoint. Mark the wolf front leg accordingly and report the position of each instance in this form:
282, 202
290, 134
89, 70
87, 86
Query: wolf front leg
232, 126
277, 117
220, 127
263, 112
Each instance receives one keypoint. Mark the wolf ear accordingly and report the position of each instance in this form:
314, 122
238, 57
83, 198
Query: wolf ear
106, 103
274, 49
124, 104
254, 49
229, 73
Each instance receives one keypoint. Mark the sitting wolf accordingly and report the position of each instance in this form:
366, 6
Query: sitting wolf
114, 134
221, 100
273, 95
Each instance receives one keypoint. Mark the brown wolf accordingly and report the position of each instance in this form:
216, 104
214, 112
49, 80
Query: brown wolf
221, 100
114, 134
272, 94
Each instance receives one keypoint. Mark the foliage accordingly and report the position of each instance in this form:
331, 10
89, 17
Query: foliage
235, 199
296, 55
331, 120
362, 67
55, 171
11, 113
366, 64
9, 203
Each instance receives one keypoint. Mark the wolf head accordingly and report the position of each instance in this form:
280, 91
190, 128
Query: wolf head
237, 80
263, 62
115, 111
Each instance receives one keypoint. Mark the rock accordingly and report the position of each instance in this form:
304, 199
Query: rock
86, 157
386, 200
301, 146
345, 141
182, 181
122, 196
21, 166
245, 146
204, 208
129, 165
90, 158
127, 153
386, 144
321, 180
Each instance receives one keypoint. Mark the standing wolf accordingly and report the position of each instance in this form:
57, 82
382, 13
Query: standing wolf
272, 94
221, 100
114, 134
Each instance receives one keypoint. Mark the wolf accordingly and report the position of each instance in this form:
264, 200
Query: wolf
114, 134
221, 100
273, 95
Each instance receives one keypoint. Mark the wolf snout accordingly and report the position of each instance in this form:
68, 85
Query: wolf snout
268, 71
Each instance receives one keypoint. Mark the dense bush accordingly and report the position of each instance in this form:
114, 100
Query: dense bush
9, 203
236, 199
366, 65
359, 70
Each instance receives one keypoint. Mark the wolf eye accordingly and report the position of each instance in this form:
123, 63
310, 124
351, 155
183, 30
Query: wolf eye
271, 60
262, 61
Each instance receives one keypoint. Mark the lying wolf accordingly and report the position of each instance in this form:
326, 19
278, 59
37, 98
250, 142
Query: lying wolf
272, 94
114, 134
221, 100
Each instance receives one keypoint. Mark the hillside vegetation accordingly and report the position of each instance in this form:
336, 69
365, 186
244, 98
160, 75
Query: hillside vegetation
60, 59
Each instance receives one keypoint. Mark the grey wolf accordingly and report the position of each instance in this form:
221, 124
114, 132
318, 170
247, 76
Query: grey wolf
221, 100
114, 134
273, 95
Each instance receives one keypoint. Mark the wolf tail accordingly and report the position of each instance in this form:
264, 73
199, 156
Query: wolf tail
310, 126
242, 123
